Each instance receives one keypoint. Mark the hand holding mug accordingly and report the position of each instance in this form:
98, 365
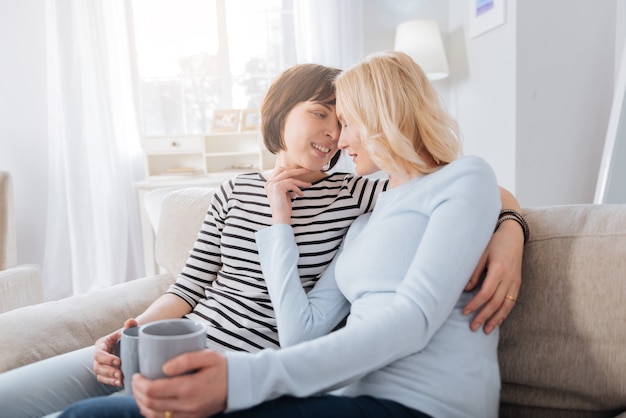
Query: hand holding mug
199, 386
106, 357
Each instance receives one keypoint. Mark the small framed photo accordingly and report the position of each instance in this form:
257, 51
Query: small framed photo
226, 120
250, 119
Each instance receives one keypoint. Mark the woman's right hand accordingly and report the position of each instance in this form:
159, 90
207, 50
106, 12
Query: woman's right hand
106, 364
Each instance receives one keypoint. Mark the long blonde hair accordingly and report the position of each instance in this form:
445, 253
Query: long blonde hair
398, 113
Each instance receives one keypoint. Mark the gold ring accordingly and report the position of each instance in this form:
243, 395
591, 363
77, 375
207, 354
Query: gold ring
509, 297
168, 414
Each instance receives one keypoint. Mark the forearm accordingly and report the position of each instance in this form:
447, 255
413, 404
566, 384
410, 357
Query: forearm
511, 229
299, 316
268, 374
502, 262
167, 306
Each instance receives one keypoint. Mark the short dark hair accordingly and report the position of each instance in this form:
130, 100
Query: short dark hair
300, 83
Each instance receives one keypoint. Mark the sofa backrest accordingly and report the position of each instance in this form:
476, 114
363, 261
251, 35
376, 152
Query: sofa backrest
180, 220
563, 347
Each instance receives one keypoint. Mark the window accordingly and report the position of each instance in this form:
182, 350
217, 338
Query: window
195, 56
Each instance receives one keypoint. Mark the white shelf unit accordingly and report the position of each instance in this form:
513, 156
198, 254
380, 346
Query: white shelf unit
219, 153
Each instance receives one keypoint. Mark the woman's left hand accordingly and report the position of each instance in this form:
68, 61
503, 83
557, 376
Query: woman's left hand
280, 188
201, 393
503, 262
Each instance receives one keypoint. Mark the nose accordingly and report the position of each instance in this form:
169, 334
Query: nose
343, 143
334, 129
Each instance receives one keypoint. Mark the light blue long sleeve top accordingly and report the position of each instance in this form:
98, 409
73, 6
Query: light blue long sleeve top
400, 275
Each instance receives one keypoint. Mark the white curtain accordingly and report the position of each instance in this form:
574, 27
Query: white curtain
329, 32
93, 238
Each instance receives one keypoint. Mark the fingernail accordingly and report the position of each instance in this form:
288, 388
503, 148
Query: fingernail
466, 311
488, 329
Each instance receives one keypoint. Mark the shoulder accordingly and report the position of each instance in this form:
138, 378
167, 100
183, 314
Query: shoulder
243, 181
471, 163
468, 170
469, 181
247, 179
248, 183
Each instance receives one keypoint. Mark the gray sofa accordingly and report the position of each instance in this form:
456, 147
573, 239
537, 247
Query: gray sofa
562, 351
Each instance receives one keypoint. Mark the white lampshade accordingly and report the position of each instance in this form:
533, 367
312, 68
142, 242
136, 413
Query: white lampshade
421, 40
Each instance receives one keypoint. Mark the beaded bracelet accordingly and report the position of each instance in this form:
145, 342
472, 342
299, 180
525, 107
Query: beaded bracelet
514, 215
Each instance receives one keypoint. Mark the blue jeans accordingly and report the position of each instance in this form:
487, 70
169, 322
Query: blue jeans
327, 406
50, 385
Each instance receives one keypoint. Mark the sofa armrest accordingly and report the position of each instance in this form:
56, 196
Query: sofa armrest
40, 331
20, 286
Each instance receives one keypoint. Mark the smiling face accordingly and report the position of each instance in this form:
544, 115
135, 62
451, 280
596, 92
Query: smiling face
350, 140
310, 136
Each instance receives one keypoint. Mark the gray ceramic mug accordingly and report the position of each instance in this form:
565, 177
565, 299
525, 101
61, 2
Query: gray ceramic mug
129, 355
163, 340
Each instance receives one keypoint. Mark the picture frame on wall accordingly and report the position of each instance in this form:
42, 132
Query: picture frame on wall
225, 120
250, 119
485, 15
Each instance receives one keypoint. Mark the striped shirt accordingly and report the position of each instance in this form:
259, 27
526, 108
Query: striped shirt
222, 279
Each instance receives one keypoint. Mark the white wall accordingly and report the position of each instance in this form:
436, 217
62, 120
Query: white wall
482, 89
620, 32
565, 80
23, 120
382, 16
537, 98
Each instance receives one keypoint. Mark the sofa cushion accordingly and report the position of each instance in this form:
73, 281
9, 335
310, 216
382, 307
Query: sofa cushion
181, 217
564, 345
40, 331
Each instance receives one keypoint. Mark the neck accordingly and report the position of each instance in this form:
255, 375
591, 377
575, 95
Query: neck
309, 177
396, 179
